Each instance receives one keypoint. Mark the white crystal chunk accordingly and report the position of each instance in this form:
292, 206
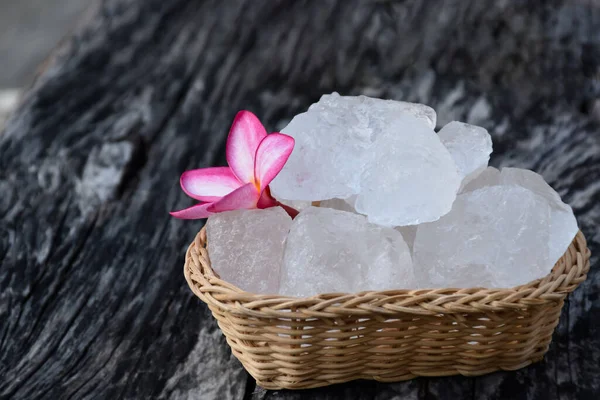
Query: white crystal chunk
359, 146
470, 147
563, 225
332, 251
494, 237
410, 177
331, 138
246, 247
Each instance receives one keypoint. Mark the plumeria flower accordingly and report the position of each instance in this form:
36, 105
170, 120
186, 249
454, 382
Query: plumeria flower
254, 159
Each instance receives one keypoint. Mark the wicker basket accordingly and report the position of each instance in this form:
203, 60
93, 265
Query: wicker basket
286, 342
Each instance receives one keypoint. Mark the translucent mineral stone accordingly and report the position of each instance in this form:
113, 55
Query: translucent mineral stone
563, 225
246, 247
332, 251
331, 142
360, 146
496, 236
410, 178
470, 147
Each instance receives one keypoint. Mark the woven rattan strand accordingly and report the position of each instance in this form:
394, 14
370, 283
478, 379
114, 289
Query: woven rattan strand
294, 343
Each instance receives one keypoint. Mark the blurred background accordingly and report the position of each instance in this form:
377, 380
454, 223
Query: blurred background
29, 30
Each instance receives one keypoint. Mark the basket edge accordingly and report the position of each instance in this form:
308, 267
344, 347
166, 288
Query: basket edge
568, 273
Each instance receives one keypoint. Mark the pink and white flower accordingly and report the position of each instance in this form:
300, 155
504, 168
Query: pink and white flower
254, 159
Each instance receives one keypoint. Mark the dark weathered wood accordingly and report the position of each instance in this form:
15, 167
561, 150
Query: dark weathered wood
93, 303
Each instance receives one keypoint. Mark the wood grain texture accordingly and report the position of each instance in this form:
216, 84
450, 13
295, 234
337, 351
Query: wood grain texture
93, 303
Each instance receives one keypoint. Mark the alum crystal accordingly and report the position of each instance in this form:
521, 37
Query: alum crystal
332, 251
246, 247
375, 150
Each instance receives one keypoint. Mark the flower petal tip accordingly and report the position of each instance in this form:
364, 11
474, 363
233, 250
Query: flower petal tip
208, 184
271, 155
244, 137
198, 211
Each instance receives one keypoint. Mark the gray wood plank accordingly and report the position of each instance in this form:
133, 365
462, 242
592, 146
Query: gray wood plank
93, 303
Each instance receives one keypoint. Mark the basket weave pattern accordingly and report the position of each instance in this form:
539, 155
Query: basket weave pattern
293, 343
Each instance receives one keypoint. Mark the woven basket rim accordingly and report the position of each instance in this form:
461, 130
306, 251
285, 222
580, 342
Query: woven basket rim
568, 272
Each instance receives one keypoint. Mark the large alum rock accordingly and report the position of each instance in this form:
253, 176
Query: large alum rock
374, 151
332, 251
496, 237
246, 247
331, 138
470, 147
410, 177
563, 225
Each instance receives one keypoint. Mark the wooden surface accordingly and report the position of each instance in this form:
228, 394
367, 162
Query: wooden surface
93, 303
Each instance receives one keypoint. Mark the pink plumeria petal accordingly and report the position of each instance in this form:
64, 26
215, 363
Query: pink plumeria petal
266, 200
209, 184
195, 212
271, 156
245, 197
244, 137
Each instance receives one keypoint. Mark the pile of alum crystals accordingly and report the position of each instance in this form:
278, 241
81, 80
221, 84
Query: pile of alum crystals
399, 207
